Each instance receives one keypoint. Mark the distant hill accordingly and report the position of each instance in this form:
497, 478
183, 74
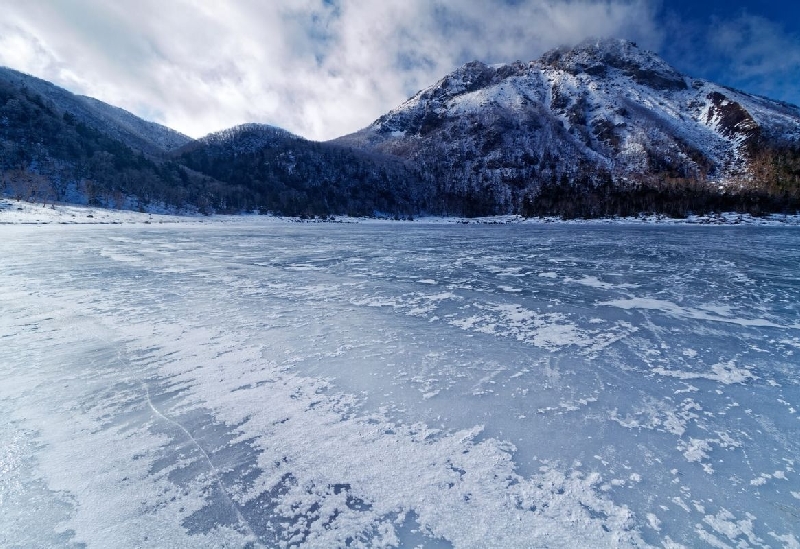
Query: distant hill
57, 146
276, 171
113, 122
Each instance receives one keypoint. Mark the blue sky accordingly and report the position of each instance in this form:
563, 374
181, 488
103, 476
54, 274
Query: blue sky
323, 68
751, 45
778, 10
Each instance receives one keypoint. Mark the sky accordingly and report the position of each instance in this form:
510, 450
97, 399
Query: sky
325, 68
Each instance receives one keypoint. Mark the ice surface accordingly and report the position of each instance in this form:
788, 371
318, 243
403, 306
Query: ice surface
267, 384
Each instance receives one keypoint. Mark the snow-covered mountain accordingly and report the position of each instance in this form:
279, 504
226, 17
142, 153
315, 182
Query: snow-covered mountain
116, 123
605, 110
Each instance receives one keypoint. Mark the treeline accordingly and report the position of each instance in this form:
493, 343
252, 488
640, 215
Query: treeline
773, 186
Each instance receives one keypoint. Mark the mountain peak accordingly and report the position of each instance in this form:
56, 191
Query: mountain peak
250, 132
603, 110
600, 57
613, 51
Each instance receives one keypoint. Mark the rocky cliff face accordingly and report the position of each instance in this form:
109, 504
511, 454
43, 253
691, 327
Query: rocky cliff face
605, 111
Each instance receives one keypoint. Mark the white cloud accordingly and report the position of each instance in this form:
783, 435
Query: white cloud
756, 47
318, 68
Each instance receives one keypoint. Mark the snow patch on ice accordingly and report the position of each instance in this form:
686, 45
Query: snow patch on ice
594, 282
789, 541
727, 373
672, 309
726, 524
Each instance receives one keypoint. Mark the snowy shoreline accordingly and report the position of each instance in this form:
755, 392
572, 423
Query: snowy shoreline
18, 212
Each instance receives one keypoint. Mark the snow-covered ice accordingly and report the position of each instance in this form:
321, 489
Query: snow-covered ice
256, 383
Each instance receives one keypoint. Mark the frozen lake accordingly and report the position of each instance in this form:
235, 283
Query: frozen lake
398, 384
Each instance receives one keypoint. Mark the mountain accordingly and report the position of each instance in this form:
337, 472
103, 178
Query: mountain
57, 146
603, 128
600, 129
114, 122
272, 170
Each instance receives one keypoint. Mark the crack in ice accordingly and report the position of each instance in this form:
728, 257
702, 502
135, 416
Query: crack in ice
213, 470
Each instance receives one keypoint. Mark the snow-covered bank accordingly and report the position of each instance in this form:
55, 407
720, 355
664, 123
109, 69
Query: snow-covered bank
728, 218
13, 212
22, 212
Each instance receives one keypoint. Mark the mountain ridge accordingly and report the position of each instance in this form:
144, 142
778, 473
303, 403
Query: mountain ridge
150, 137
599, 129
58, 146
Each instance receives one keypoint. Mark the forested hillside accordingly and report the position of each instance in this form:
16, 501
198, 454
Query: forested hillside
48, 153
275, 171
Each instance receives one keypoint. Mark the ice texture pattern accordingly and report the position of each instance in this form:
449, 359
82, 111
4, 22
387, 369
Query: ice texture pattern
267, 384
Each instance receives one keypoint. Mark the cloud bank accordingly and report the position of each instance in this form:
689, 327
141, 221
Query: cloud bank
319, 68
